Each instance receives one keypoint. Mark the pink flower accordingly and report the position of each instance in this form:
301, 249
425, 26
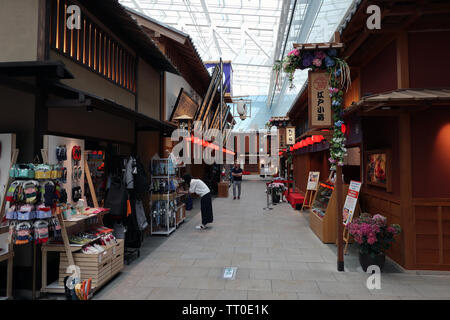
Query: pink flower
378, 218
294, 52
392, 230
317, 62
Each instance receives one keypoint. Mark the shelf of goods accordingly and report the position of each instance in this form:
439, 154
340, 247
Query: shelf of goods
322, 219
100, 267
167, 212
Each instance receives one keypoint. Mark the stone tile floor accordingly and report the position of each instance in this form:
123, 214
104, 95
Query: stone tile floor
276, 253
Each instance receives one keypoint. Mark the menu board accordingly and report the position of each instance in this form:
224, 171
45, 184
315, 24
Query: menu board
322, 199
313, 180
350, 201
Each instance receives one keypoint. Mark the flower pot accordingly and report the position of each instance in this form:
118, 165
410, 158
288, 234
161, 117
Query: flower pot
366, 260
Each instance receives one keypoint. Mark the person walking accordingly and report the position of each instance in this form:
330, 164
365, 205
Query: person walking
236, 172
199, 187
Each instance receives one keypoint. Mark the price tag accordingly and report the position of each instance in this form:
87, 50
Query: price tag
114, 250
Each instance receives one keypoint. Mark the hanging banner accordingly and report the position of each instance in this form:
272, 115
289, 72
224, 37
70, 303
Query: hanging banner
313, 180
320, 114
350, 201
290, 136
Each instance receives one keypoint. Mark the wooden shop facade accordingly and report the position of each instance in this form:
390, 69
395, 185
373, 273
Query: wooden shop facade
397, 123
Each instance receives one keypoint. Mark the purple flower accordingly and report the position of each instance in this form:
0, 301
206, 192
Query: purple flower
307, 59
319, 55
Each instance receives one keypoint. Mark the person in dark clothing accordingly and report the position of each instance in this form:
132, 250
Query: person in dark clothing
199, 187
236, 172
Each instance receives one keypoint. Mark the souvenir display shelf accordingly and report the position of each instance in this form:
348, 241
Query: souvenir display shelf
322, 218
99, 267
9, 256
163, 199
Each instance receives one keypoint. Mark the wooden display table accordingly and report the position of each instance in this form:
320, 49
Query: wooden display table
325, 202
222, 190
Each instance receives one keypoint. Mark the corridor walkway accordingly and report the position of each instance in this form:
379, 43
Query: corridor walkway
276, 253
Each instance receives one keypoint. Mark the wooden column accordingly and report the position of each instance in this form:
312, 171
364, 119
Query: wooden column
402, 60
340, 227
406, 207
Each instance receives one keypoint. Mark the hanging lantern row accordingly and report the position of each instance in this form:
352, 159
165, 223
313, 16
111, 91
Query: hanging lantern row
307, 142
207, 144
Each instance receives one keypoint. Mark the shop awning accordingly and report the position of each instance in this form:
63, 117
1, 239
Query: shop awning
182, 51
402, 98
48, 69
144, 122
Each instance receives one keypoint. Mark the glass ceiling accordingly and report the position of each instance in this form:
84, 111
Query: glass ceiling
243, 31
252, 34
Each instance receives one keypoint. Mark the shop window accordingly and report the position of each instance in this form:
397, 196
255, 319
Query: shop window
352, 165
92, 47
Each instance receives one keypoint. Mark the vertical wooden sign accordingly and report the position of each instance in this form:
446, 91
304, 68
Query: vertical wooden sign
290, 136
320, 113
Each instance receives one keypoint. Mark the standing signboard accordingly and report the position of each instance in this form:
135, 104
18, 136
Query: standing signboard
351, 201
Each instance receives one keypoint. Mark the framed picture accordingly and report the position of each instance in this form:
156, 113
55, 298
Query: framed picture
377, 165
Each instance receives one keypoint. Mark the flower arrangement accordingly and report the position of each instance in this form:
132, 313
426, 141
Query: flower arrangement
339, 80
373, 234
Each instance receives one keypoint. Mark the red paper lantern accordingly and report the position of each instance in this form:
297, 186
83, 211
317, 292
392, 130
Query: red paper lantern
309, 141
343, 128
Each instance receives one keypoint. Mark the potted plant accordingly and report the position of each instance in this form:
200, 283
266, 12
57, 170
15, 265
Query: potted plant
374, 237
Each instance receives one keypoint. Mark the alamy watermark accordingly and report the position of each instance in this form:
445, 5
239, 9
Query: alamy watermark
374, 280
207, 146
374, 20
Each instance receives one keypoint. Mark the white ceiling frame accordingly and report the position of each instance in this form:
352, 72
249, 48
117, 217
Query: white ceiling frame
255, 39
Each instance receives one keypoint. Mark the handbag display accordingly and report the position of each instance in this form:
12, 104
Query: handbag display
140, 216
117, 197
22, 171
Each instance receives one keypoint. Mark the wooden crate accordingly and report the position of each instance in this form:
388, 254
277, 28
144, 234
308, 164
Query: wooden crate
181, 213
98, 274
223, 190
99, 267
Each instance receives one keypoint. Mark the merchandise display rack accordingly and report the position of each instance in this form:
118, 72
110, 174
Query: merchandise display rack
9, 256
163, 210
99, 267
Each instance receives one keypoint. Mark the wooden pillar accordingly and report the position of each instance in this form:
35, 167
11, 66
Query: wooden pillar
340, 227
402, 60
406, 207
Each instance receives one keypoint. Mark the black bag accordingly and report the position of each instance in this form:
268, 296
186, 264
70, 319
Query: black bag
141, 184
117, 197
133, 236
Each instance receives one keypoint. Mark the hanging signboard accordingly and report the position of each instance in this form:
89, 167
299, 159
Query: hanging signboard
281, 137
290, 136
313, 180
320, 114
350, 201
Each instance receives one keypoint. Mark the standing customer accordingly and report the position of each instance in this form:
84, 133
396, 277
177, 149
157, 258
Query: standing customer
199, 187
236, 172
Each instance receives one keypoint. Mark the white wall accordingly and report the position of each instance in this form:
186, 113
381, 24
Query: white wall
50, 143
173, 85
